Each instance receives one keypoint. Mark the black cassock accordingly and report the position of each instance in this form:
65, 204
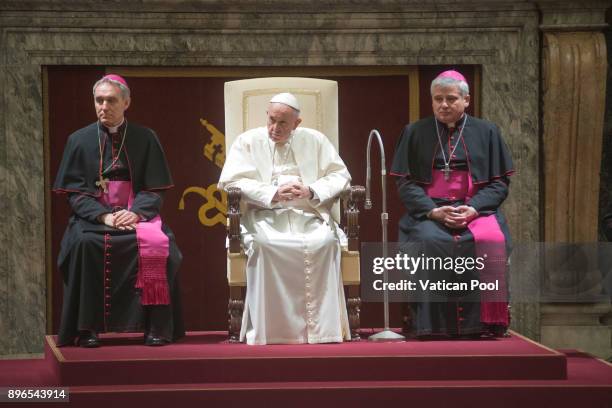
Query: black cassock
484, 155
100, 264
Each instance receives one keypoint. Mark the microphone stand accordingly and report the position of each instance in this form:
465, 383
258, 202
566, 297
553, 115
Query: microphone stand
386, 334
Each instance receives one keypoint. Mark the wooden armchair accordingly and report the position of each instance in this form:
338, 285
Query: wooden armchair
245, 103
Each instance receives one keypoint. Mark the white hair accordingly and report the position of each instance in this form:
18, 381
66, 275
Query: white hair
125, 91
445, 82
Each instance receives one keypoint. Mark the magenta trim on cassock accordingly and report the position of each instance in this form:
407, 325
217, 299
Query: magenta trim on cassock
489, 240
153, 247
68, 191
160, 188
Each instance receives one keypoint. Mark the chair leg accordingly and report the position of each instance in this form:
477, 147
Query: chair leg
507, 329
235, 309
408, 328
353, 305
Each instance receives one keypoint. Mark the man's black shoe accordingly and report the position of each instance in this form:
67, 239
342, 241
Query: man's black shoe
154, 341
89, 340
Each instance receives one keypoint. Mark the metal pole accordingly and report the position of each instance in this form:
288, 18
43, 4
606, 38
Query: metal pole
386, 334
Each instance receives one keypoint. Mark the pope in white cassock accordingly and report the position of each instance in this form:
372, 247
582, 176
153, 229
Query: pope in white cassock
290, 177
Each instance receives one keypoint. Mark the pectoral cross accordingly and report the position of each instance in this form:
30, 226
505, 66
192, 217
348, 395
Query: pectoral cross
102, 183
446, 171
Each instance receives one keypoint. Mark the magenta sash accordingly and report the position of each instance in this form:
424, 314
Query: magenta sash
153, 247
456, 188
489, 243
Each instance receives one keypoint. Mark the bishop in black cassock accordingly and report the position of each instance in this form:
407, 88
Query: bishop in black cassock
452, 173
119, 262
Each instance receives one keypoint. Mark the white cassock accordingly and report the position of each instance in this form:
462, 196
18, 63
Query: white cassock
294, 285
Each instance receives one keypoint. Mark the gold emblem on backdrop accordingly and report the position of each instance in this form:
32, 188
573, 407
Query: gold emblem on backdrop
215, 149
214, 209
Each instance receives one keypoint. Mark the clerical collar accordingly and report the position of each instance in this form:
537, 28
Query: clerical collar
455, 125
114, 129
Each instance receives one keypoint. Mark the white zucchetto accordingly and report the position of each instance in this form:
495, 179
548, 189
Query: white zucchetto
286, 99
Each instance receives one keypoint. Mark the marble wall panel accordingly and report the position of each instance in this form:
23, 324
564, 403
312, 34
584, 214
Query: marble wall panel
606, 160
4, 205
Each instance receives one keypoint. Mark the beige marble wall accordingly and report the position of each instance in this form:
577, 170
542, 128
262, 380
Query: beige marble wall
502, 36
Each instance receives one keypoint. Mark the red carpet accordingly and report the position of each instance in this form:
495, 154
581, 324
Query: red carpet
204, 370
208, 358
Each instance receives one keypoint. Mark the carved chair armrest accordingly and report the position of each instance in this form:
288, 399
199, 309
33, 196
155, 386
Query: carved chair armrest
233, 218
353, 198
